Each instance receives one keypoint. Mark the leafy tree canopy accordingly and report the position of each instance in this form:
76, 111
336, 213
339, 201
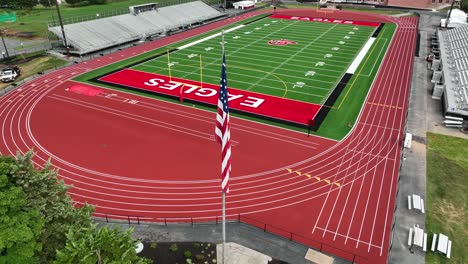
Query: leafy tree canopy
99, 245
20, 228
46, 193
40, 224
22, 4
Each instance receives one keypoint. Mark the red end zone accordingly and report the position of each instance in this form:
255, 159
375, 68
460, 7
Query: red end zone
327, 20
271, 107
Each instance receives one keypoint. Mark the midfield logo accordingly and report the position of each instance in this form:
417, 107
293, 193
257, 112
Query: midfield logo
281, 42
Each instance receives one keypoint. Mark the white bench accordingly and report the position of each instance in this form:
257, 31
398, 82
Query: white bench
410, 238
434, 240
415, 202
425, 242
449, 248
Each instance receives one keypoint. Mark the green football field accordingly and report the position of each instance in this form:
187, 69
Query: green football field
307, 70
303, 71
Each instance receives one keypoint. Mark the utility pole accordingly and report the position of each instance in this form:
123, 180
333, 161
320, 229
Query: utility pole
450, 12
61, 26
4, 45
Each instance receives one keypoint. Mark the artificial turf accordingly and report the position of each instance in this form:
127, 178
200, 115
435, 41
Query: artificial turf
317, 59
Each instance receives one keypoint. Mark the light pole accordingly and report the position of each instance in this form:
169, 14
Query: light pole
4, 45
61, 26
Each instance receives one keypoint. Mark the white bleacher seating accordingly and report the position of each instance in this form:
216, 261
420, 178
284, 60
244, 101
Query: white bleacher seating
98, 34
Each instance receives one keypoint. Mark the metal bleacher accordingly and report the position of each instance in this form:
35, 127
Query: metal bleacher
90, 36
454, 44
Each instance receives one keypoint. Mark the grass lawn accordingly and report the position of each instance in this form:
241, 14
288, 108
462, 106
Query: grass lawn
33, 65
447, 195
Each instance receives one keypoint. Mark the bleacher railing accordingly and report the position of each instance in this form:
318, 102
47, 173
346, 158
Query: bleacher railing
111, 13
239, 218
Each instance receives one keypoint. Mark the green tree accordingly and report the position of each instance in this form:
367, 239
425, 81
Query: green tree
46, 3
97, 2
99, 245
20, 228
24, 4
73, 2
464, 5
45, 193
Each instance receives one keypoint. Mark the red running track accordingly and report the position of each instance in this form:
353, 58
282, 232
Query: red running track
158, 160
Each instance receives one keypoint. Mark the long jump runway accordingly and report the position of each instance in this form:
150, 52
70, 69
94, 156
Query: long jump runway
138, 157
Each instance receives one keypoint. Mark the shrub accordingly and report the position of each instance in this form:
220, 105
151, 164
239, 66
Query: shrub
188, 254
173, 248
196, 245
154, 245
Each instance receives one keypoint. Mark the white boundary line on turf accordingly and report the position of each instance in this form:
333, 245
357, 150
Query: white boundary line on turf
357, 61
209, 37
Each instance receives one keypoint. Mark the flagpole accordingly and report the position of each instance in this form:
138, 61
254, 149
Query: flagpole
224, 192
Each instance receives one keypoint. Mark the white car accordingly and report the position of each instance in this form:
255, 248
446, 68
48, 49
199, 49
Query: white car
8, 75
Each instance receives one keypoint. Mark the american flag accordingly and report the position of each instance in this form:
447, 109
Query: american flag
222, 131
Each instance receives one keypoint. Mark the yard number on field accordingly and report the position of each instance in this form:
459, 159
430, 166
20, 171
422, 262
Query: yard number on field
299, 84
310, 73
320, 63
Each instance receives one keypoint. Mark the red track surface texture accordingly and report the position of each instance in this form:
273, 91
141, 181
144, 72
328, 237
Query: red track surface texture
135, 156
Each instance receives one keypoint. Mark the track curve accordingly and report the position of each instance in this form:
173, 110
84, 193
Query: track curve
337, 193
